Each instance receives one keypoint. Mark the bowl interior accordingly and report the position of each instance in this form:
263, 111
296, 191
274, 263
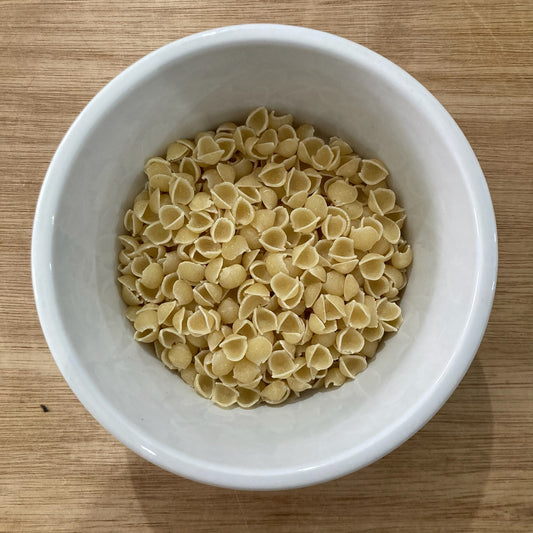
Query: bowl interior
177, 95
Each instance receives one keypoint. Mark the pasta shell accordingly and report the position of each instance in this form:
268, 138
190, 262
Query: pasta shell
284, 286
303, 220
318, 357
157, 165
258, 349
228, 310
258, 120
204, 385
342, 249
349, 341
273, 175
224, 396
273, 239
373, 171
334, 378
263, 220
146, 326
317, 204
242, 212
264, 320
364, 238
351, 365
372, 266
234, 347
247, 397
402, 258
181, 191
180, 356
232, 276
246, 372
224, 195
280, 364
381, 200
275, 392
341, 193
334, 226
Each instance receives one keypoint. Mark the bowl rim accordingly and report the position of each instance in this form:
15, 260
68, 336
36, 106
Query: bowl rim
348, 461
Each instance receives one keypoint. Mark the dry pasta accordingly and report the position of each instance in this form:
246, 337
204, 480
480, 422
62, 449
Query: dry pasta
262, 261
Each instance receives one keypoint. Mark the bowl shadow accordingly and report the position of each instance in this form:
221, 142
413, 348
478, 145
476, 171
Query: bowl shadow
443, 467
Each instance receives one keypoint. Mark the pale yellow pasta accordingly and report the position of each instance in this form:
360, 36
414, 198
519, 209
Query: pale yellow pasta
180, 356
372, 266
402, 258
364, 238
185, 236
232, 276
291, 326
201, 322
273, 175
249, 303
246, 372
381, 200
146, 326
303, 220
273, 239
349, 341
204, 385
258, 349
245, 327
234, 346
261, 261
340, 193
224, 396
377, 288
247, 397
207, 294
276, 392
318, 357
181, 191
342, 249
305, 256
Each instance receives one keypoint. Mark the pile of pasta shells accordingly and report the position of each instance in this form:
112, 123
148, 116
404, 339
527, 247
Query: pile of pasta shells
262, 261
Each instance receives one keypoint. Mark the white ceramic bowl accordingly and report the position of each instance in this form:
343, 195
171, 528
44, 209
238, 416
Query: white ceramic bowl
346, 90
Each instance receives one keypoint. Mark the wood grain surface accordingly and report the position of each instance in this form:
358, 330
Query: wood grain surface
469, 469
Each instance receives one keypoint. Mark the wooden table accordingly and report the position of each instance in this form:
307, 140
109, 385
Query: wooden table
469, 469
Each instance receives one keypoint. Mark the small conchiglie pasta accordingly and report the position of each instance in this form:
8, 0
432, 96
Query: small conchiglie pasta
180, 356
303, 220
364, 238
262, 261
273, 240
280, 364
305, 256
372, 266
341, 193
318, 357
276, 392
258, 349
381, 200
373, 171
201, 322
349, 341
224, 396
146, 326
247, 397
234, 347
334, 378
232, 276
403, 257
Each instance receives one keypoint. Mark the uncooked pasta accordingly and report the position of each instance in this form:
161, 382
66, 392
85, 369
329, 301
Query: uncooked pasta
262, 261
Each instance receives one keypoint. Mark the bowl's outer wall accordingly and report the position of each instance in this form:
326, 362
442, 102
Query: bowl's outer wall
344, 90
